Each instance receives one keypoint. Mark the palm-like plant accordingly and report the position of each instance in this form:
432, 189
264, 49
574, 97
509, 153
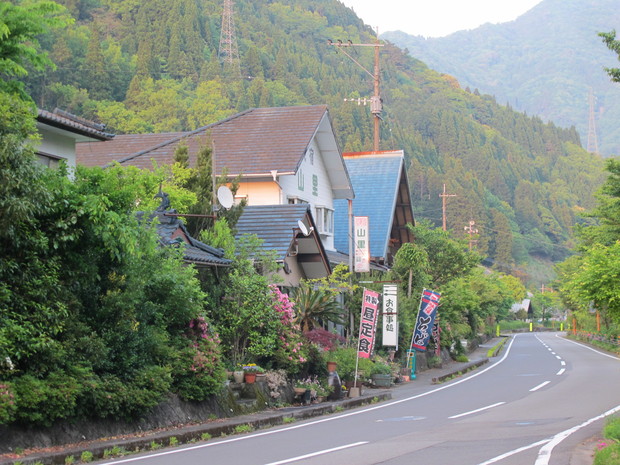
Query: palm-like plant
313, 306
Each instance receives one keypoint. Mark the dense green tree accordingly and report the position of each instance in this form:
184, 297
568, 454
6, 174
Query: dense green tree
20, 27
614, 45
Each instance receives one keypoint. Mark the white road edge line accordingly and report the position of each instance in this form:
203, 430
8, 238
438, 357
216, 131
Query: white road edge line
561, 371
476, 411
544, 454
322, 420
513, 452
589, 348
314, 454
539, 386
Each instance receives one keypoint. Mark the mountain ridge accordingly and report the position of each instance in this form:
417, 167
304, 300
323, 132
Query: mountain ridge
543, 63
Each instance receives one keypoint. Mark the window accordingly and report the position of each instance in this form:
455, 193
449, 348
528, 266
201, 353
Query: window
300, 180
325, 220
51, 161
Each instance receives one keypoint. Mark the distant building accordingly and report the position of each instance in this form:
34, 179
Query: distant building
60, 131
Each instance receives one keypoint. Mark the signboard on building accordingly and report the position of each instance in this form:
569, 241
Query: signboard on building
362, 245
390, 315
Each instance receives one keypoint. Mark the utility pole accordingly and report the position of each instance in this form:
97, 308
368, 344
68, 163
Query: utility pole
471, 230
376, 104
444, 196
592, 138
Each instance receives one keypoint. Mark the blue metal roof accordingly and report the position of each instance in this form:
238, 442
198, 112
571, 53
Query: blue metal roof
375, 179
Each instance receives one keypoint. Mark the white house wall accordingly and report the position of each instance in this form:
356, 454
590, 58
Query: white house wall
312, 185
56, 144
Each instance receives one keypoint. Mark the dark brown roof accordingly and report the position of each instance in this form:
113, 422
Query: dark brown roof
253, 142
101, 154
74, 124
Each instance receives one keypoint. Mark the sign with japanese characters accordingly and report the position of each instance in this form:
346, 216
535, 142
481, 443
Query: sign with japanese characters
426, 317
390, 315
362, 245
368, 322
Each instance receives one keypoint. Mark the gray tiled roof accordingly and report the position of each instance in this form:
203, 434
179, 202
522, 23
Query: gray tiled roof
68, 122
172, 231
273, 224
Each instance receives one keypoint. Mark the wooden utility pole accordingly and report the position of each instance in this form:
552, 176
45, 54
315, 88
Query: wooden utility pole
443, 204
376, 104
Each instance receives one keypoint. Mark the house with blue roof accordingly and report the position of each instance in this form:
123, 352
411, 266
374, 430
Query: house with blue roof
379, 180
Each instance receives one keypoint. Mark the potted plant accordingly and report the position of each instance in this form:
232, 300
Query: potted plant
381, 374
238, 374
250, 370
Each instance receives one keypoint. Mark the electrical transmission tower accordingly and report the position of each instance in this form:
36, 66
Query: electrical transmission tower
592, 139
229, 52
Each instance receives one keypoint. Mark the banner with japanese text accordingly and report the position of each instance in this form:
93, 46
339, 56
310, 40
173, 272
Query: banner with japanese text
426, 317
368, 322
362, 244
390, 315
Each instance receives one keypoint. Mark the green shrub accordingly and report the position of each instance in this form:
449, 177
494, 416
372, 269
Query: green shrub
462, 358
8, 404
86, 456
345, 357
380, 368
609, 455
42, 401
113, 398
612, 429
244, 428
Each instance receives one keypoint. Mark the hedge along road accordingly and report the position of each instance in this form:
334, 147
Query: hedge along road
545, 395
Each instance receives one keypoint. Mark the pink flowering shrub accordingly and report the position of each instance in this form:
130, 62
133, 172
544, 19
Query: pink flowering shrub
199, 371
291, 353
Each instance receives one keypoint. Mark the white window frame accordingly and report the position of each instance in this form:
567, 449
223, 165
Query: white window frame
324, 220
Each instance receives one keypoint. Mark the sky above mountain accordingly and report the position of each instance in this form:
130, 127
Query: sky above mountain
437, 18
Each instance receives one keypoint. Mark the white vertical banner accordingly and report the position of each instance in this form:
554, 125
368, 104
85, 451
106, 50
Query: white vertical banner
390, 315
361, 242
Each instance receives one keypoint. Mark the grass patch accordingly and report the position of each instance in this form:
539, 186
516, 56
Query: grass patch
608, 452
86, 456
205, 436
244, 428
287, 420
496, 348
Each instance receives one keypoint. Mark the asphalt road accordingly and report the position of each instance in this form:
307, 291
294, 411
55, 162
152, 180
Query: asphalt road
532, 405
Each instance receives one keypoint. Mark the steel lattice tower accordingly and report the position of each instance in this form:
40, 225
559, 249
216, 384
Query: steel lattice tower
592, 139
229, 52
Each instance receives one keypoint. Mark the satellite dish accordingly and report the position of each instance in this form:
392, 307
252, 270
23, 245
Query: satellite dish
302, 227
225, 197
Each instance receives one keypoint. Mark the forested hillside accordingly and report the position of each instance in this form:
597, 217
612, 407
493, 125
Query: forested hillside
153, 66
544, 63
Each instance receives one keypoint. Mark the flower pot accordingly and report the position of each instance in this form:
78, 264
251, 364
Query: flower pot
382, 380
250, 378
261, 377
299, 391
331, 366
238, 376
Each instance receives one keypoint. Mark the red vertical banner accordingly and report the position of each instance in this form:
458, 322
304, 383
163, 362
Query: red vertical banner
368, 322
